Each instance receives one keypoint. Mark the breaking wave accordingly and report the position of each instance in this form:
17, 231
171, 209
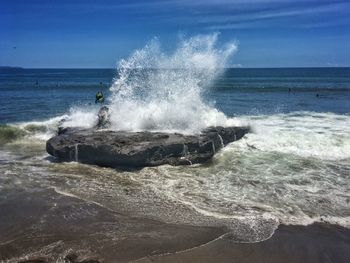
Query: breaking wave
159, 91
323, 136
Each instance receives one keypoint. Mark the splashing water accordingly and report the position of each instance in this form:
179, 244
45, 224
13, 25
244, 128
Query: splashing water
158, 91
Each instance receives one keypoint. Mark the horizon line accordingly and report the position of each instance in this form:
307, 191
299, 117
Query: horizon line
280, 67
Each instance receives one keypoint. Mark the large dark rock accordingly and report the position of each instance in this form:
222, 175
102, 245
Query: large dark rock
138, 149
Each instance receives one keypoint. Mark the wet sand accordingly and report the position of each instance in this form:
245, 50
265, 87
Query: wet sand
47, 227
314, 243
51, 227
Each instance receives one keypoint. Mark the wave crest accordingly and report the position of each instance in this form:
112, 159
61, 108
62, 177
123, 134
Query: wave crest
159, 91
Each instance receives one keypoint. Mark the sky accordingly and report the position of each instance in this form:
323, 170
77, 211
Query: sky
97, 34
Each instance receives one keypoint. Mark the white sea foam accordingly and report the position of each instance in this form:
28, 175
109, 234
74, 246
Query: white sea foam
307, 134
77, 117
81, 117
41, 130
294, 169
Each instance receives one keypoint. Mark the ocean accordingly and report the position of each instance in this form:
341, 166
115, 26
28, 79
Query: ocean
293, 169
43, 93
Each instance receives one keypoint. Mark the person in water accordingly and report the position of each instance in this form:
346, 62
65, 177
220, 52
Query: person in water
99, 97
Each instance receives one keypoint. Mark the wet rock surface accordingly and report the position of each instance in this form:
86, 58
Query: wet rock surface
139, 149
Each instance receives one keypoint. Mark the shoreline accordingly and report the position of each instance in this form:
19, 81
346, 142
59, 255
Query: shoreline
319, 242
46, 227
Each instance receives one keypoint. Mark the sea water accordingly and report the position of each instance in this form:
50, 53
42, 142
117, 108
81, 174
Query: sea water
294, 168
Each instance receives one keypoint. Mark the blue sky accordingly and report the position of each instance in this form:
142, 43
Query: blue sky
95, 34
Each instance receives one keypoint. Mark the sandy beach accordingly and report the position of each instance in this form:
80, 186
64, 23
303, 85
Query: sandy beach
73, 230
